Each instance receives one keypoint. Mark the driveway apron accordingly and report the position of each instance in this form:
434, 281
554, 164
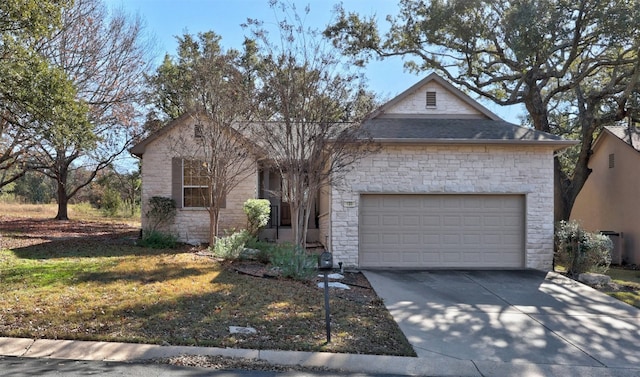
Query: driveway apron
510, 316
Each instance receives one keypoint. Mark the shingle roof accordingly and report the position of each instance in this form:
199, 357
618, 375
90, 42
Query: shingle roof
456, 130
629, 136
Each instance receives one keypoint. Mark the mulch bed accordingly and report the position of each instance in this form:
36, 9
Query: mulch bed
359, 288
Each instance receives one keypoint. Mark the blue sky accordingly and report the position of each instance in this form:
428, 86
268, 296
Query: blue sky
166, 19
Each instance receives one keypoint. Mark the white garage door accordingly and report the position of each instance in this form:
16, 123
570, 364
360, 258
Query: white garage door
442, 231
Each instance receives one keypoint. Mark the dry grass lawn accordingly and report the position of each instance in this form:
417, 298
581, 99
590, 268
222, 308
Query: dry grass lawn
86, 279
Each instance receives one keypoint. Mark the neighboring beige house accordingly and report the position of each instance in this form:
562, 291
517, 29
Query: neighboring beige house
452, 186
610, 199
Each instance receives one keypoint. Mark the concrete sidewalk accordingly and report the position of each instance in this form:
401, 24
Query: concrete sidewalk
409, 366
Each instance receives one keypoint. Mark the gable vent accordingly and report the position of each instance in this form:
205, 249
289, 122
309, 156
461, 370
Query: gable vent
431, 99
612, 161
197, 131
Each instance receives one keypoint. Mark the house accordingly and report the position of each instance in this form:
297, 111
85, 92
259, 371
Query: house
452, 186
609, 200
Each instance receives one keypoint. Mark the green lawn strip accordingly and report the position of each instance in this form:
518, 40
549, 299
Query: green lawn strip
631, 298
627, 278
624, 276
177, 298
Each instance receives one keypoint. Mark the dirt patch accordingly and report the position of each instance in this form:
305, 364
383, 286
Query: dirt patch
21, 232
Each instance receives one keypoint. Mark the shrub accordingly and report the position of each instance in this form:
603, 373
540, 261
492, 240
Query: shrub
161, 210
158, 240
581, 251
231, 246
258, 211
265, 249
293, 261
111, 202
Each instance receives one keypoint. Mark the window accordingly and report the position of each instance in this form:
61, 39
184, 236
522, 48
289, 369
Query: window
189, 184
195, 184
197, 131
612, 161
431, 99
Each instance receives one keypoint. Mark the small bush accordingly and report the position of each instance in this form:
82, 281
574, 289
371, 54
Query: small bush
231, 246
293, 261
258, 211
158, 240
581, 251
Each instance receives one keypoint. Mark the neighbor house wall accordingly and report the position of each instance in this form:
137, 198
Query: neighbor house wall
460, 169
610, 198
191, 225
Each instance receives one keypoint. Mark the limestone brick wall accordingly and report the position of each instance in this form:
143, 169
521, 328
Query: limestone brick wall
461, 169
191, 224
447, 103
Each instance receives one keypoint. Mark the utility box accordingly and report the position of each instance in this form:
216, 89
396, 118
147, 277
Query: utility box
616, 238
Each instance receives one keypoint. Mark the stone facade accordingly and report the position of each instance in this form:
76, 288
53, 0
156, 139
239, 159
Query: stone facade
191, 225
459, 169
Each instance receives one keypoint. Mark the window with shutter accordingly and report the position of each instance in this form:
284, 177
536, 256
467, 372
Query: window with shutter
189, 184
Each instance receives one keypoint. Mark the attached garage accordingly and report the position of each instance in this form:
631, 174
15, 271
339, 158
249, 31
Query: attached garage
451, 186
442, 231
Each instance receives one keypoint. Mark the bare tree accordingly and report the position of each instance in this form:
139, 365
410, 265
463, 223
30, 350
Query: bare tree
312, 106
104, 55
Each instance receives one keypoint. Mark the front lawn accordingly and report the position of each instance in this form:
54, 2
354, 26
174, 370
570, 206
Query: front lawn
87, 280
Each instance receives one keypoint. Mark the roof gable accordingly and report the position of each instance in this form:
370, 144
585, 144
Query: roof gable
629, 136
191, 120
445, 102
455, 119
139, 149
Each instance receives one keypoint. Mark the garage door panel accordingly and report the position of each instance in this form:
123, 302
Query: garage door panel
412, 239
391, 220
450, 231
411, 220
370, 220
430, 220
452, 221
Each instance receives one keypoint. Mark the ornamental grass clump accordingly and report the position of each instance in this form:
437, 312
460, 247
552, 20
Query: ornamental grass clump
580, 251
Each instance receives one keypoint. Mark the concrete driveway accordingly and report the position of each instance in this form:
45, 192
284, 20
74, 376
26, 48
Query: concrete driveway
512, 317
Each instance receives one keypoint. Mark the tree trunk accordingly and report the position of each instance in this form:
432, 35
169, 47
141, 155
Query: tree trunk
296, 223
63, 201
214, 217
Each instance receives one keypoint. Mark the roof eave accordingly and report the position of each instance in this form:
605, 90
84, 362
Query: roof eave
559, 143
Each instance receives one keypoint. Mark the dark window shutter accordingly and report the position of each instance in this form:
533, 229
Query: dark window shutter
176, 181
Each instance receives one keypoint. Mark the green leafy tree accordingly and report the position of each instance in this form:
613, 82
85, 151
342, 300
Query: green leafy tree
574, 65
34, 188
33, 92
